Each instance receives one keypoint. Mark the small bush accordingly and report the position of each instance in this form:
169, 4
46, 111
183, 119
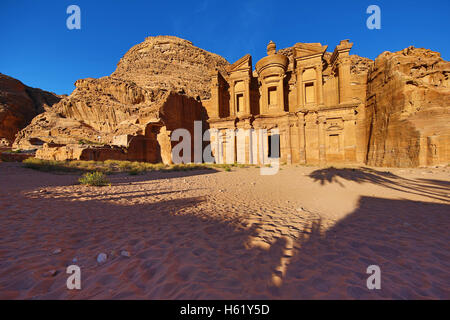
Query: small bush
134, 172
13, 151
48, 165
116, 166
96, 178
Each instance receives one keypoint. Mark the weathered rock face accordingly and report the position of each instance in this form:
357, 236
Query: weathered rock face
148, 140
170, 63
150, 79
19, 104
97, 110
408, 109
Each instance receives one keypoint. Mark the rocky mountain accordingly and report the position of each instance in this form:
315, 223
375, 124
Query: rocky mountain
19, 104
99, 109
170, 63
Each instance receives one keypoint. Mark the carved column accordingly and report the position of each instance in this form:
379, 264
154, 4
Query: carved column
281, 94
264, 99
285, 143
232, 99
215, 96
319, 82
301, 137
322, 155
344, 79
247, 96
300, 98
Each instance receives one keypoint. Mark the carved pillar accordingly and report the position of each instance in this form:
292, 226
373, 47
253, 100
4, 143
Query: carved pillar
300, 99
264, 99
344, 79
288, 144
220, 147
301, 137
281, 94
319, 82
322, 155
215, 97
260, 144
247, 96
232, 99
246, 146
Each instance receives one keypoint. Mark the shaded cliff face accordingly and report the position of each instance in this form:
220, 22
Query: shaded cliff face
408, 109
19, 104
125, 102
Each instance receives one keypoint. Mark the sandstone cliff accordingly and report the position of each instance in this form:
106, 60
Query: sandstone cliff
170, 63
19, 104
408, 109
129, 99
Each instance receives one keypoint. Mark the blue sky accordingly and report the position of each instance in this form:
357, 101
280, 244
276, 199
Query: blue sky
38, 49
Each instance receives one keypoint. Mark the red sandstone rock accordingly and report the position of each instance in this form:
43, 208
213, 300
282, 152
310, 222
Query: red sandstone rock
19, 104
170, 63
124, 103
408, 109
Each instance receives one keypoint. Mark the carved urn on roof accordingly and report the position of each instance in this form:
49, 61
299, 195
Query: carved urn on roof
273, 64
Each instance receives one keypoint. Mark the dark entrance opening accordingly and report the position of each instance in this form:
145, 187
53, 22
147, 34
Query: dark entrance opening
274, 146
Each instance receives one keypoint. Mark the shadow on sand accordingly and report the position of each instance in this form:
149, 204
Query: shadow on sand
182, 250
408, 240
435, 189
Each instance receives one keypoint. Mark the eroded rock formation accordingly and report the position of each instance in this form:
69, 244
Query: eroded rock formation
157, 87
19, 104
408, 109
169, 63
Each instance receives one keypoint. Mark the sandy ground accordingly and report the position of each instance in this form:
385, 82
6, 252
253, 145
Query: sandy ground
305, 233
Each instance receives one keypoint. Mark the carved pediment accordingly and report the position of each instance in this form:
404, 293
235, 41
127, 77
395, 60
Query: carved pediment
243, 64
302, 50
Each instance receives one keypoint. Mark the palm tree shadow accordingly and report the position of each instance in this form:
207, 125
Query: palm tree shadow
433, 189
408, 240
181, 249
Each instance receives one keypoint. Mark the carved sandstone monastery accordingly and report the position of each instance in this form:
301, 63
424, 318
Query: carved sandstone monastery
322, 107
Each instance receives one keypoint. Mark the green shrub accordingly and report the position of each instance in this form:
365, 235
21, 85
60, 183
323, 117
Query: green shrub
134, 172
13, 151
96, 178
115, 166
49, 165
